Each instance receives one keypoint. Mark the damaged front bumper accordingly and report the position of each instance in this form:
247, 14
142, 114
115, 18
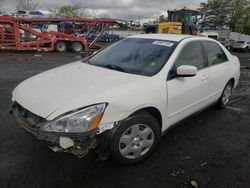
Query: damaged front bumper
78, 144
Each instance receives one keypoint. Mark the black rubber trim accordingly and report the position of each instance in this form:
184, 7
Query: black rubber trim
189, 117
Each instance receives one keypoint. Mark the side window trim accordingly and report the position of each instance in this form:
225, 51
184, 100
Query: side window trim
205, 54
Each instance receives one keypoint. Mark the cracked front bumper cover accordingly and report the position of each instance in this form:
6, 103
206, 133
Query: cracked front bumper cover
80, 143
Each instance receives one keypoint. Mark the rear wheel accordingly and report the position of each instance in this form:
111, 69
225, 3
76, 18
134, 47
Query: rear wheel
61, 46
77, 47
135, 139
226, 94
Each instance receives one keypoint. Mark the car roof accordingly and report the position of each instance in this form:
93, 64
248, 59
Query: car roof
170, 37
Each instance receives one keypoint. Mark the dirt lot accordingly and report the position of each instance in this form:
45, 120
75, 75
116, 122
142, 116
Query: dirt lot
212, 148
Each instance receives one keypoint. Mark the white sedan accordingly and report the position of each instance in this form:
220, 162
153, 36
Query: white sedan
120, 100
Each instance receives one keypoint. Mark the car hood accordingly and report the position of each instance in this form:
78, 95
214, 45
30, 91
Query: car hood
69, 87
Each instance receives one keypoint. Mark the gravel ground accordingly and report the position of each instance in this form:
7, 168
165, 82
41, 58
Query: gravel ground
211, 149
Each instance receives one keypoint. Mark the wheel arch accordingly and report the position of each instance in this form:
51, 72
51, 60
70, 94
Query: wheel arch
153, 111
106, 138
233, 81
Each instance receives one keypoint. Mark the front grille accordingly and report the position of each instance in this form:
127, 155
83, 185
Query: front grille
28, 118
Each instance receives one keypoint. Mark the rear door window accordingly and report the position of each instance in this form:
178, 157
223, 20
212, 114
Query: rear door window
214, 52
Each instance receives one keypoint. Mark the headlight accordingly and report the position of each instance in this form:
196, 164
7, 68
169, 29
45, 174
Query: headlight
80, 121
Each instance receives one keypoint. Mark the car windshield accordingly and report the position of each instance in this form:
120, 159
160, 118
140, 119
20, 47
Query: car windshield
241, 42
134, 55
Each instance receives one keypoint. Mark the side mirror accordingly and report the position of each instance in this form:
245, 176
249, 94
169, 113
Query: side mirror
186, 71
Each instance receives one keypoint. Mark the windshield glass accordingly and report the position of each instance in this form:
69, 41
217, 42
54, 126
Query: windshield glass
136, 56
241, 42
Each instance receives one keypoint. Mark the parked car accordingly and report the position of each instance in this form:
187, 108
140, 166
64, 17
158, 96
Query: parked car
22, 13
6, 13
242, 46
33, 13
38, 14
120, 100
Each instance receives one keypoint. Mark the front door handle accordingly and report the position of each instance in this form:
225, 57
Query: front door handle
203, 78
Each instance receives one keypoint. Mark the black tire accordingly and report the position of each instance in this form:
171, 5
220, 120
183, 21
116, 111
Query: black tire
61, 46
142, 119
246, 49
77, 47
222, 103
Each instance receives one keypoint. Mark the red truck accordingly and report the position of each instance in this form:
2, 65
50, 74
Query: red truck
20, 34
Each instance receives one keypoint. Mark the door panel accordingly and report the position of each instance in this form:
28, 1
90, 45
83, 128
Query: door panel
219, 76
219, 71
187, 95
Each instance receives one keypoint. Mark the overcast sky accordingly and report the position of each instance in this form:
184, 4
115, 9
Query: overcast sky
123, 9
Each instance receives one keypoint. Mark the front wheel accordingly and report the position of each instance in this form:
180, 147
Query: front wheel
135, 139
226, 95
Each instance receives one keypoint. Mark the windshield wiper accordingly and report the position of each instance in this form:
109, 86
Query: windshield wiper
114, 67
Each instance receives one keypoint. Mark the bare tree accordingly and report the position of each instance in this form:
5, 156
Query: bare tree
90, 13
84, 11
78, 10
1, 4
26, 5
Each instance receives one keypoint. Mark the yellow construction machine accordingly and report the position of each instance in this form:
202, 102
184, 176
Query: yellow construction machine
182, 21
